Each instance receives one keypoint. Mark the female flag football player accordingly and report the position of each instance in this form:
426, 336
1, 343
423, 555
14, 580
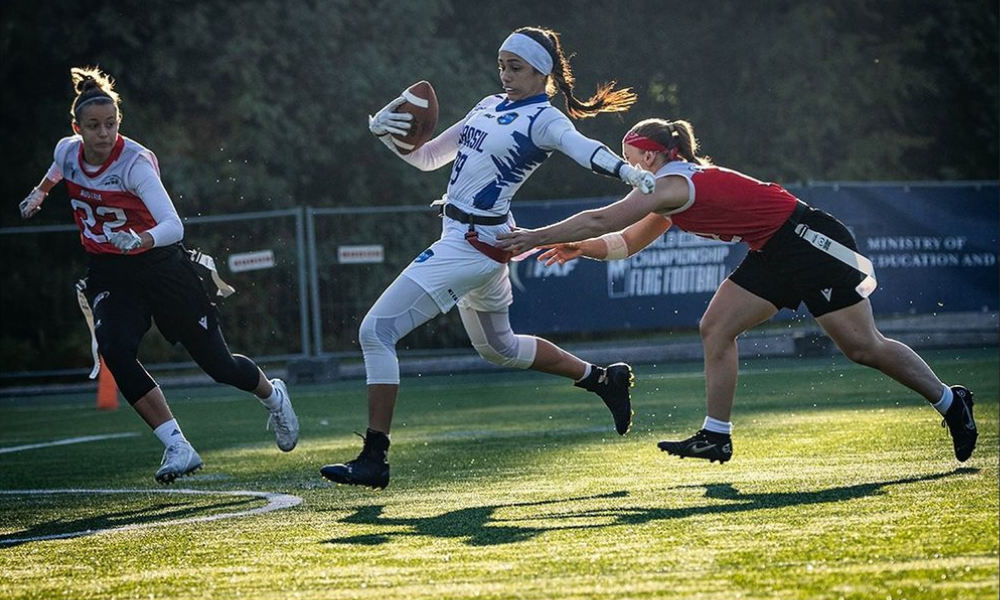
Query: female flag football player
797, 254
138, 270
494, 149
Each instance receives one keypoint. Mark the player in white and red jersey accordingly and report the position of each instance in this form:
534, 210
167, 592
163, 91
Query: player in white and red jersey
139, 272
493, 150
797, 255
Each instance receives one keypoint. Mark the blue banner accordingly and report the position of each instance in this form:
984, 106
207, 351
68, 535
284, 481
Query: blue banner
933, 245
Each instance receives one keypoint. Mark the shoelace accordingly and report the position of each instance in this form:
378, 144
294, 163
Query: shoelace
170, 453
277, 418
367, 451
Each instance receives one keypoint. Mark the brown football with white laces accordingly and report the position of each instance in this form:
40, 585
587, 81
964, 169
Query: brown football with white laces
422, 103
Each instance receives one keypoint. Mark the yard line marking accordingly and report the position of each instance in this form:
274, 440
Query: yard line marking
76, 440
275, 501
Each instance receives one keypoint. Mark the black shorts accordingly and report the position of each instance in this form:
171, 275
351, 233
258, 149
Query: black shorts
161, 283
788, 270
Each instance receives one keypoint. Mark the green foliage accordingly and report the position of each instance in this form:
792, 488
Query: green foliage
262, 104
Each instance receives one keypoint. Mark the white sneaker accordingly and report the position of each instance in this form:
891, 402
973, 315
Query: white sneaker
283, 419
179, 459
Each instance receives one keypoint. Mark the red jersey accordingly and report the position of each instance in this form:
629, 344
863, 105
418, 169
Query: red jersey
727, 205
103, 198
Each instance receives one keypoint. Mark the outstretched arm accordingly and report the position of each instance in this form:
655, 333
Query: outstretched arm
434, 154
669, 193
588, 153
610, 246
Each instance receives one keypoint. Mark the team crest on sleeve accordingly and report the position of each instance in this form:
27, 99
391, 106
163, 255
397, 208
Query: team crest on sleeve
507, 118
426, 254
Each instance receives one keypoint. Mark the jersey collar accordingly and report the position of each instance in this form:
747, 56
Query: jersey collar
507, 105
115, 153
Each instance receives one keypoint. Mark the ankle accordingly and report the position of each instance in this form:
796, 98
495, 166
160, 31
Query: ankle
592, 379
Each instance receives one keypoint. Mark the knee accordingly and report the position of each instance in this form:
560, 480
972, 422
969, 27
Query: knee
117, 349
861, 353
376, 335
713, 333
519, 354
489, 353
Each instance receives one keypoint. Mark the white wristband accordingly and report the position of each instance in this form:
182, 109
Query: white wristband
616, 245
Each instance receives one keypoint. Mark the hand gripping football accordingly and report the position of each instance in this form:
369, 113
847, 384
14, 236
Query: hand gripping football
422, 103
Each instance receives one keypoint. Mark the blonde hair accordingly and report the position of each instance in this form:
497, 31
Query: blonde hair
672, 135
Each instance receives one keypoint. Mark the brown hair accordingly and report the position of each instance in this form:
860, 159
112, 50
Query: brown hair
92, 86
607, 99
672, 135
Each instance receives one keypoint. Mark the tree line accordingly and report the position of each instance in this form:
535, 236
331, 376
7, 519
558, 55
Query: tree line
262, 104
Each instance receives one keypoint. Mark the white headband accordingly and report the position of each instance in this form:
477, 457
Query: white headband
531, 51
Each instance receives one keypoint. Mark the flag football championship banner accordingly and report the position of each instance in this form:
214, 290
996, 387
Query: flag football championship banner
933, 246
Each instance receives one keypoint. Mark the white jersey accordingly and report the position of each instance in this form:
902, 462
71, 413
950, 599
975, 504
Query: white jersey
123, 193
500, 145
494, 148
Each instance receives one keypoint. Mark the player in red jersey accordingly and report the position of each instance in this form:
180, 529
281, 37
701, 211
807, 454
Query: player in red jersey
139, 271
797, 254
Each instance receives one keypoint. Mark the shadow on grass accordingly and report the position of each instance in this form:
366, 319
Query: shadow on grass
478, 525
163, 511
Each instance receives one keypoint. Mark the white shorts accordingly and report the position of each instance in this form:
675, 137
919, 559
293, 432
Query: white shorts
452, 271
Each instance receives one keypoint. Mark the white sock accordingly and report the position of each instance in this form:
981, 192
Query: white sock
169, 432
944, 403
717, 426
586, 373
273, 401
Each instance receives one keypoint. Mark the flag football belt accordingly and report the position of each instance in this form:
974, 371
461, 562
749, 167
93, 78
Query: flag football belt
472, 236
206, 264
88, 315
454, 212
837, 250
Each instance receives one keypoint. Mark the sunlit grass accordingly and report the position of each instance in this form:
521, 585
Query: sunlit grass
843, 485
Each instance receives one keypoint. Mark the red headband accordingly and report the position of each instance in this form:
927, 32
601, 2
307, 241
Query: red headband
643, 143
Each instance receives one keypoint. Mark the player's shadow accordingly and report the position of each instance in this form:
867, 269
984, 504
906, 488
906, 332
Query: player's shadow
479, 526
163, 511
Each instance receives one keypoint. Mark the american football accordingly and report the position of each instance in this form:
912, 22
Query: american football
422, 103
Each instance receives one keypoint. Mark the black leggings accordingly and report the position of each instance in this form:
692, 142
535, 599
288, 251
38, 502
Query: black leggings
127, 292
120, 353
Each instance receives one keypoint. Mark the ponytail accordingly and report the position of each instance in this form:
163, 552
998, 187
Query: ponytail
606, 99
676, 136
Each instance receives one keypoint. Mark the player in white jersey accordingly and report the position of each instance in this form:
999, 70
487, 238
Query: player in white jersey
139, 272
498, 144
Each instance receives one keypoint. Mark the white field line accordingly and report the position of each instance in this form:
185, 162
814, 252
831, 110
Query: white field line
76, 440
274, 502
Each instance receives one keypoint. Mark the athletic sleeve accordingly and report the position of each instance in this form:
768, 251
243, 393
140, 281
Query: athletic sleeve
55, 174
144, 181
558, 133
434, 154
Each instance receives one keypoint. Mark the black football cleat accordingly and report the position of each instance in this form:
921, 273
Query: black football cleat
958, 419
703, 444
369, 469
612, 384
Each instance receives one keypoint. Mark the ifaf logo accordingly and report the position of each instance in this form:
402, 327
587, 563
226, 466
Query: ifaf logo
536, 270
